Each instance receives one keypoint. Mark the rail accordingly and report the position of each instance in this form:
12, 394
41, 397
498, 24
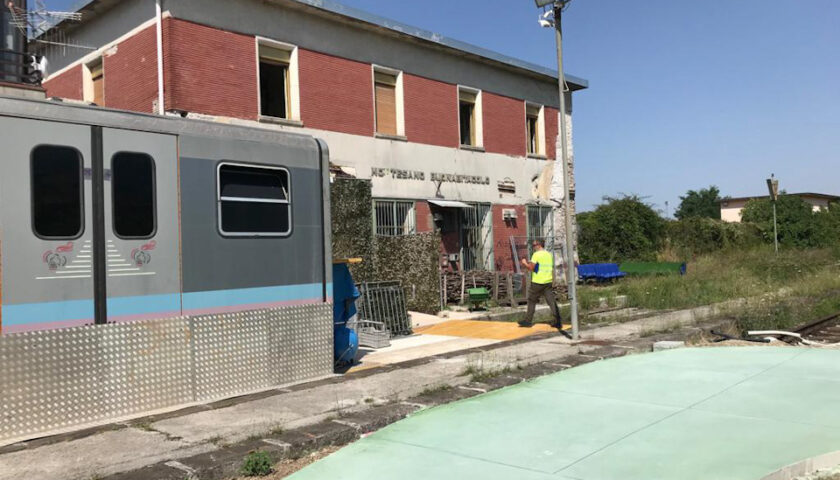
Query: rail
19, 67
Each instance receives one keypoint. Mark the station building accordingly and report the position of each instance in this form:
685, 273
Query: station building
452, 136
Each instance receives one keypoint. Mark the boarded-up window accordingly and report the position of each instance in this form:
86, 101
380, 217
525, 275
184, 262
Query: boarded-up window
466, 114
274, 82
385, 86
97, 79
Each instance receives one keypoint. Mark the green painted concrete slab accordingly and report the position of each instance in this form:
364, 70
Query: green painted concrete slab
711, 413
658, 384
525, 427
695, 445
817, 364
373, 459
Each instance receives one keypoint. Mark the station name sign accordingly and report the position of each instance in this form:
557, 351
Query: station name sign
399, 174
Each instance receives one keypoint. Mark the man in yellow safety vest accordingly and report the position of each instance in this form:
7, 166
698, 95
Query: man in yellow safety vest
542, 276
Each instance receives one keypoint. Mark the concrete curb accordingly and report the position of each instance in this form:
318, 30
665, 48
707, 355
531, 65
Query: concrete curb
806, 467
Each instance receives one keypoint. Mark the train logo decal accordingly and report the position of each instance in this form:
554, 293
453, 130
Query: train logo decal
56, 259
141, 256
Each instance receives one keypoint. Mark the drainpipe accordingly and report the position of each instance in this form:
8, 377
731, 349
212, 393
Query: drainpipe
159, 17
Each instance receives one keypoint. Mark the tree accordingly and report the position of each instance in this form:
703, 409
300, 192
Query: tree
620, 229
703, 203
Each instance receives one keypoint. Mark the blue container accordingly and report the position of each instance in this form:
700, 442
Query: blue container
346, 345
345, 293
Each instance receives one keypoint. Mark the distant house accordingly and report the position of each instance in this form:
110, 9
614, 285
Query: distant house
730, 208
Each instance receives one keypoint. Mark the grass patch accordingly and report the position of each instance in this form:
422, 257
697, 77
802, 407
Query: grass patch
483, 376
256, 464
436, 389
478, 372
730, 275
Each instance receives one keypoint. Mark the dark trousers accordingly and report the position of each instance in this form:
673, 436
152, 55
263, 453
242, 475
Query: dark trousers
536, 291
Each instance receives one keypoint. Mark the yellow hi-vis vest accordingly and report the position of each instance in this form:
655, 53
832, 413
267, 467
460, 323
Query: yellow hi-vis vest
543, 267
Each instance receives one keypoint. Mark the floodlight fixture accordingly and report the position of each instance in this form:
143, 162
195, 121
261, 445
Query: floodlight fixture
547, 19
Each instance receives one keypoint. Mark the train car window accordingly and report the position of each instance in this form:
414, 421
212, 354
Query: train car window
57, 195
133, 194
254, 201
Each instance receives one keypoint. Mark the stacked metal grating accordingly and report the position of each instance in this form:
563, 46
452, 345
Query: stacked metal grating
385, 302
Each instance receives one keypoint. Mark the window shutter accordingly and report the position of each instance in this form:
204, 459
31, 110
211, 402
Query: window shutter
386, 109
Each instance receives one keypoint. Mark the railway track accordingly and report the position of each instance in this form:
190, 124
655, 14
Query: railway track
823, 330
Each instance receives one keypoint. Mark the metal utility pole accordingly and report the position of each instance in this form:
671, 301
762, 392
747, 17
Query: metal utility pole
773, 187
563, 161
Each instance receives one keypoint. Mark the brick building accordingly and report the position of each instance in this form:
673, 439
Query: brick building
452, 136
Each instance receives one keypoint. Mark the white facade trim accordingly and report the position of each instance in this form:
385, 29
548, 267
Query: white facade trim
478, 112
399, 94
99, 52
294, 74
415, 171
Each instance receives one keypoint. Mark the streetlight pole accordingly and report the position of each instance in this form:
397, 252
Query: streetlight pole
563, 161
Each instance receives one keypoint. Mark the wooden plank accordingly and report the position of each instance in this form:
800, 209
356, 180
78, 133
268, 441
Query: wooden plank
513, 302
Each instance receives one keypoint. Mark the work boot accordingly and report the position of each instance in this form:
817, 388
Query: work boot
525, 325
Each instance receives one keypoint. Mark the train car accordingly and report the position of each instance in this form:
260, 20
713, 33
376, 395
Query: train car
205, 244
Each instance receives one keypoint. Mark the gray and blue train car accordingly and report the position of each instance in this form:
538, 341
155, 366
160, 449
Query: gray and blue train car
111, 218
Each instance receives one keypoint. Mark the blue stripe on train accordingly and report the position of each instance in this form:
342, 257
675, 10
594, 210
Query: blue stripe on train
253, 296
49, 312
144, 304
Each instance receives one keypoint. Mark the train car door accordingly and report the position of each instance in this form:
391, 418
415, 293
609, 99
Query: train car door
46, 225
141, 231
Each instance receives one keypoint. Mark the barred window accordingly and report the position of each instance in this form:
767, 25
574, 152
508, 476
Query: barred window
540, 225
393, 218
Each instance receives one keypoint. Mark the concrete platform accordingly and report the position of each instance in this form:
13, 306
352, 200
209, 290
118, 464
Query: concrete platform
443, 337
721, 413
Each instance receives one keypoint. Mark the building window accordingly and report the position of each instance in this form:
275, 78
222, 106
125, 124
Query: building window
535, 129
388, 101
469, 116
278, 94
133, 195
94, 85
254, 200
477, 234
394, 218
540, 225
57, 197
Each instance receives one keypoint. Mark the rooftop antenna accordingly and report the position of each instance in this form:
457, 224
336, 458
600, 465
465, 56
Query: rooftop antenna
37, 24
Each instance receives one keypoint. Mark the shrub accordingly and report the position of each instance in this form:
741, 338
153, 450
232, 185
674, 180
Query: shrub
697, 236
620, 229
799, 226
256, 464
795, 220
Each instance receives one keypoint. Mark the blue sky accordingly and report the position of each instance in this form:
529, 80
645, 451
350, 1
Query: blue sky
683, 94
